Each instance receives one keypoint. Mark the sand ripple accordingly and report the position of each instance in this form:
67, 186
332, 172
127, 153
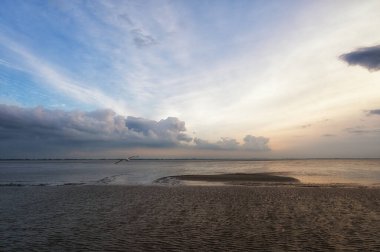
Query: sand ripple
156, 218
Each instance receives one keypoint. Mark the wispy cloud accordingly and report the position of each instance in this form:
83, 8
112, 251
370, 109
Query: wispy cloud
226, 68
362, 130
141, 39
52, 77
148, 77
305, 126
328, 135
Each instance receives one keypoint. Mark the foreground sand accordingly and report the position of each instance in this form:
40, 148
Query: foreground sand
185, 218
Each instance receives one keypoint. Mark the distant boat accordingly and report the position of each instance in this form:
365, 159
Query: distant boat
125, 159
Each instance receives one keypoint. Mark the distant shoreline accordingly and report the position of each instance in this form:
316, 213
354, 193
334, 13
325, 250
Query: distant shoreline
180, 159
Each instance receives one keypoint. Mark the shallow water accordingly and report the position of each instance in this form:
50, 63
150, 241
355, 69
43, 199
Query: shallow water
145, 172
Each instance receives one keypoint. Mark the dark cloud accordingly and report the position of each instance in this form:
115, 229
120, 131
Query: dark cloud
204, 144
305, 126
251, 143
169, 131
41, 129
141, 39
125, 18
328, 135
361, 130
373, 112
368, 57
40, 123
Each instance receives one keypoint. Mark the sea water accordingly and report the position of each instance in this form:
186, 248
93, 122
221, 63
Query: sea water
145, 172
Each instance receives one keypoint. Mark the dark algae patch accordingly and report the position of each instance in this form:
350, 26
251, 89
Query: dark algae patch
233, 178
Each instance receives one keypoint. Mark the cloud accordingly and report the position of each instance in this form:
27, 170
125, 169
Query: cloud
47, 132
141, 39
169, 131
204, 144
251, 143
53, 77
328, 135
361, 130
306, 126
373, 112
368, 57
224, 143
34, 129
32, 124
125, 17
227, 143
256, 143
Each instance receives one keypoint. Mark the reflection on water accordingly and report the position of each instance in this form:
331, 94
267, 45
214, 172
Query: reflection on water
144, 172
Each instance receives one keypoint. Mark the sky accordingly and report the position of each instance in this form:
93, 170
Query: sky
190, 79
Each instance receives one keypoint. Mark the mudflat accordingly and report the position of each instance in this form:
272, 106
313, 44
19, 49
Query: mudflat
189, 218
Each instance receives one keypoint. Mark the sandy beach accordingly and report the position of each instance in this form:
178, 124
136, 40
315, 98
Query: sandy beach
189, 218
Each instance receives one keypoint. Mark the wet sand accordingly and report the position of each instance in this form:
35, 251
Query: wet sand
189, 218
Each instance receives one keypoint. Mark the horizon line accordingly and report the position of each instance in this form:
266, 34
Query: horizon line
187, 159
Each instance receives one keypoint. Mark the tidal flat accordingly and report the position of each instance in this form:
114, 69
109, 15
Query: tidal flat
189, 218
